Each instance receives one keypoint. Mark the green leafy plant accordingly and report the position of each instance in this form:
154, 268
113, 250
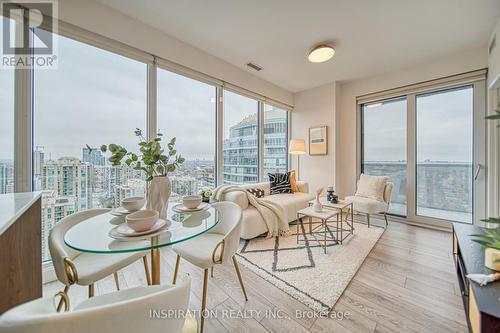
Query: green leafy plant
153, 159
491, 237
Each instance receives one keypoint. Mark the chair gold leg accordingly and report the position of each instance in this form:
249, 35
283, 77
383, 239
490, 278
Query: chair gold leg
212, 271
204, 299
146, 270
176, 270
386, 222
91, 290
117, 283
368, 219
239, 277
59, 306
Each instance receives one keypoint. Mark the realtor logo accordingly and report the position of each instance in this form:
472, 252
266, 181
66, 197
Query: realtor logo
28, 34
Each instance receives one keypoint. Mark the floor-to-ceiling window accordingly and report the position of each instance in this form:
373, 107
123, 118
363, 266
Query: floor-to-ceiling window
187, 111
275, 140
384, 146
6, 127
94, 97
431, 144
241, 152
444, 142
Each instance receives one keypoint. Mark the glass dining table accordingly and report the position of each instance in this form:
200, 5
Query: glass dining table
93, 235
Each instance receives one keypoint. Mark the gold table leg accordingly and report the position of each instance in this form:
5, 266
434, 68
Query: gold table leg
155, 262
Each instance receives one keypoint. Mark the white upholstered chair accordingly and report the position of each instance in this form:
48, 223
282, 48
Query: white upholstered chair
123, 311
74, 267
371, 206
217, 246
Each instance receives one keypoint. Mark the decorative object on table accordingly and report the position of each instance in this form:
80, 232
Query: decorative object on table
258, 192
142, 220
297, 147
317, 206
484, 279
180, 208
490, 241
206, 194
280, 183
154, 162
318, 140
330, 195
133, 203
191, 201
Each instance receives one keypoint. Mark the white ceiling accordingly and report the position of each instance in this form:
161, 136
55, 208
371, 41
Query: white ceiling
370, 36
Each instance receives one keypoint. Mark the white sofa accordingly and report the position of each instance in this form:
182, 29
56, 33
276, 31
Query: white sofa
252, 223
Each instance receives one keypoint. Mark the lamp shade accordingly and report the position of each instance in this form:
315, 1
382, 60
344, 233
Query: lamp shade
297, 147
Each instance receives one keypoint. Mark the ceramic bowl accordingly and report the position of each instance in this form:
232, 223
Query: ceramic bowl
133, 203
191, 201
142, 220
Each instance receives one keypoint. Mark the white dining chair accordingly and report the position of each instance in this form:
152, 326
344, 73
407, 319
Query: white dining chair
74, 267
154, 309
217, 246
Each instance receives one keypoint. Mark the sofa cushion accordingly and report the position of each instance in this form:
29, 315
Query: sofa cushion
293, 181
372, 187
238, 198
258, 192
291, 203
367, 205
280, 182
265, 186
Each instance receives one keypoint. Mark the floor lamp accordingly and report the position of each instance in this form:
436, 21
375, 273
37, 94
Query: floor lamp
297, 147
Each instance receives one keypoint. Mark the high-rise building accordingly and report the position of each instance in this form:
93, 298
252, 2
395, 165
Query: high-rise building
69, 177
241, 152
275, 141
241, 148
93, 156
6, 177
54, 208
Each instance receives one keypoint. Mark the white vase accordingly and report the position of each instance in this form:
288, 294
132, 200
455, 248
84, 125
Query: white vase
159, 191
317, 206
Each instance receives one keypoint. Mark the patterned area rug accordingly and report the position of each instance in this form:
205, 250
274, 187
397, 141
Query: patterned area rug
303, 270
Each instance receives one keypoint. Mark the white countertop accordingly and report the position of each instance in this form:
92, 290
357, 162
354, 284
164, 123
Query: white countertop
13, 205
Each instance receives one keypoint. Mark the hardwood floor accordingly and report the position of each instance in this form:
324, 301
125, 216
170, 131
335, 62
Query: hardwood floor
406, 284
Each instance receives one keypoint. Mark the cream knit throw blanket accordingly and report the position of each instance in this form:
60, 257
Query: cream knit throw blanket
271, 213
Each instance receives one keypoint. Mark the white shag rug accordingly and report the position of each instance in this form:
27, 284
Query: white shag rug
303, 270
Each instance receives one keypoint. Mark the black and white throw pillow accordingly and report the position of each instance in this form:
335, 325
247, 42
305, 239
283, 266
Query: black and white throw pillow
258, 192
280, 183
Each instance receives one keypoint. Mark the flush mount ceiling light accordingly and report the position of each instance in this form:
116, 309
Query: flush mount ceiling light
321, 53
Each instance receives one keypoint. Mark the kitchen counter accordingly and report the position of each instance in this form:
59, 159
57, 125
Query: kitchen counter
13, 205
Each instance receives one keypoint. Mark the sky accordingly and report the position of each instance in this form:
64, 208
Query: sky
443, 122
96, 97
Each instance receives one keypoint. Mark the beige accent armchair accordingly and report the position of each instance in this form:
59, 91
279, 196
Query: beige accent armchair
371, 206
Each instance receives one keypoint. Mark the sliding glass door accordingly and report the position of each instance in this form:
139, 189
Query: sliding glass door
444, 147
431, 145
384, 146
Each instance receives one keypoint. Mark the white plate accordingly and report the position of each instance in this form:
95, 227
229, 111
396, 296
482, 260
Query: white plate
123, 231
120, 211
180, 208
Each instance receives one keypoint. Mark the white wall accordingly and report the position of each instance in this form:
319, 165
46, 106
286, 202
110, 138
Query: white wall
346, 114
315, 107
105, 21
